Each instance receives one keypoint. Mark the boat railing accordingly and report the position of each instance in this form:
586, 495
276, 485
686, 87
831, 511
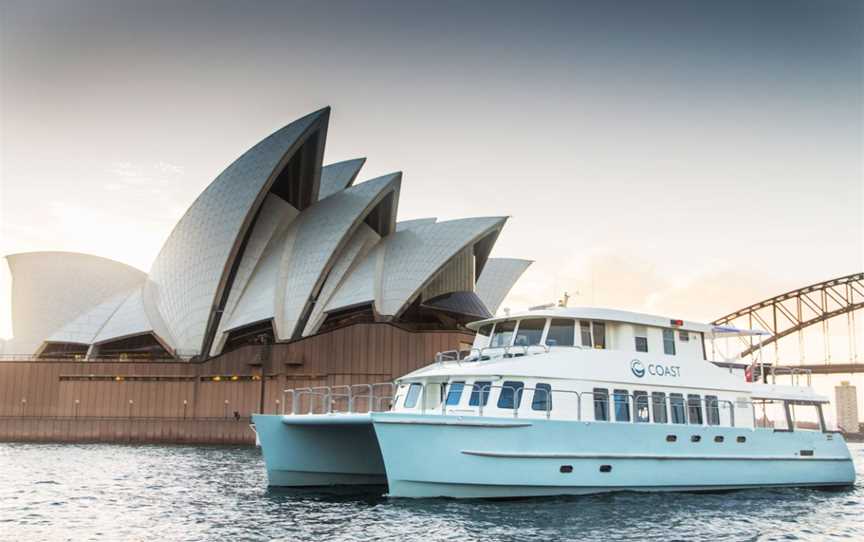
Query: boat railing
795, 374
488, 352
359, 398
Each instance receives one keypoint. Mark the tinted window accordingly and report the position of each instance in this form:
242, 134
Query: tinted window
542, 397
529, 332
676, 405
485, 331
694, 409
480, 394
560, 332
585, 333
712, 410
503, 333
622, 406
640, 402
658, 407
669, 342
412, 395
599, 331
454, 394
684, 336
511, 394
641, 344
601, 405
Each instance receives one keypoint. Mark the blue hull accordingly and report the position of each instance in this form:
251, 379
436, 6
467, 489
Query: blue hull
444, 456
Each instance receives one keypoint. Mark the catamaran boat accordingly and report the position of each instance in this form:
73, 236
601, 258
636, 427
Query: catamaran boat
563, 401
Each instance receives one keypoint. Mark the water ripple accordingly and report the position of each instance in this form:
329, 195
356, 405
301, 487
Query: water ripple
183, 493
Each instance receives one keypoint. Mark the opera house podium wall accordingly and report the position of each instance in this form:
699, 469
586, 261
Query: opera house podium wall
284, 272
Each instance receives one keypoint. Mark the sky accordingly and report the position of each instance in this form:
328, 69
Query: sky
683, 158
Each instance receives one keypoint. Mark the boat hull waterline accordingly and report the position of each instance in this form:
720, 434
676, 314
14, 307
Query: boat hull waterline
423, 456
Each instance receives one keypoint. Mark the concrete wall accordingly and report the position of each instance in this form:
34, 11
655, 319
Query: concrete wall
119, 401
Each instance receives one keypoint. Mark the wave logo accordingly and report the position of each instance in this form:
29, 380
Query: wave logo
637, 368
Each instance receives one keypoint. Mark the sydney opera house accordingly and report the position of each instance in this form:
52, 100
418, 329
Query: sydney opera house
277, 249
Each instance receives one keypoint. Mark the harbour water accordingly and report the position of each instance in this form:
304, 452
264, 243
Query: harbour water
113, 492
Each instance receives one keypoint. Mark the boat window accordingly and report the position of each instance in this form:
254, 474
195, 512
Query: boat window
412, 395
542, 397
771, 415
694, 409
622, 406
530, 331
485, 331
585, 333
601, 404
560, 332
511, 394
454, 394
480, 393
712, 410
658, 407
640, 403
806, 416
676, 405
668, 342
599, 331
640, 334
503, 333
684, 336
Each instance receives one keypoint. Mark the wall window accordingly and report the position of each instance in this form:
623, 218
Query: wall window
585, 333
511, 394
694, 409
676, 405
502, 334
640, 336
529, 332
622, 405
480, 393
560, 333
658, 407
772, 415
601, 404
599, 331
640, 405
806, 416
413, 394
684, 336
712, 410
454, 394
542, 397
668, 342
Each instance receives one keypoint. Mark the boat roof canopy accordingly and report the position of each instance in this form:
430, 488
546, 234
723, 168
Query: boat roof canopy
595, 313
722, 332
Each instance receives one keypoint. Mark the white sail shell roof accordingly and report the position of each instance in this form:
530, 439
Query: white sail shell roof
52, 289
244, 255
322, 230
497, 279
186, 277
339, 176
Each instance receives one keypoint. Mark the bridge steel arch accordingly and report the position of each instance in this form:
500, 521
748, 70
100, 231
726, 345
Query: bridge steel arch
793, 311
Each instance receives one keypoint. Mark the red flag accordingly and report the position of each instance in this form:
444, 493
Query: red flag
748, 373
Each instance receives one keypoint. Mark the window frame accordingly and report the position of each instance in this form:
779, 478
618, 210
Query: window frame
601, 397
616, 395
450, 391
416, 397
661, 395
572, 326
514, 387
480, 391
546, 396
669, 341
518, 329
509, 340
694, 405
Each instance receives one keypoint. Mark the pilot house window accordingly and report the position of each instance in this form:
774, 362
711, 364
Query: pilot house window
503, 333
593, 334
529, 332
560, 332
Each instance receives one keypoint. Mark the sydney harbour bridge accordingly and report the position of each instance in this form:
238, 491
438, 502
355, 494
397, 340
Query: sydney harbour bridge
812, 329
